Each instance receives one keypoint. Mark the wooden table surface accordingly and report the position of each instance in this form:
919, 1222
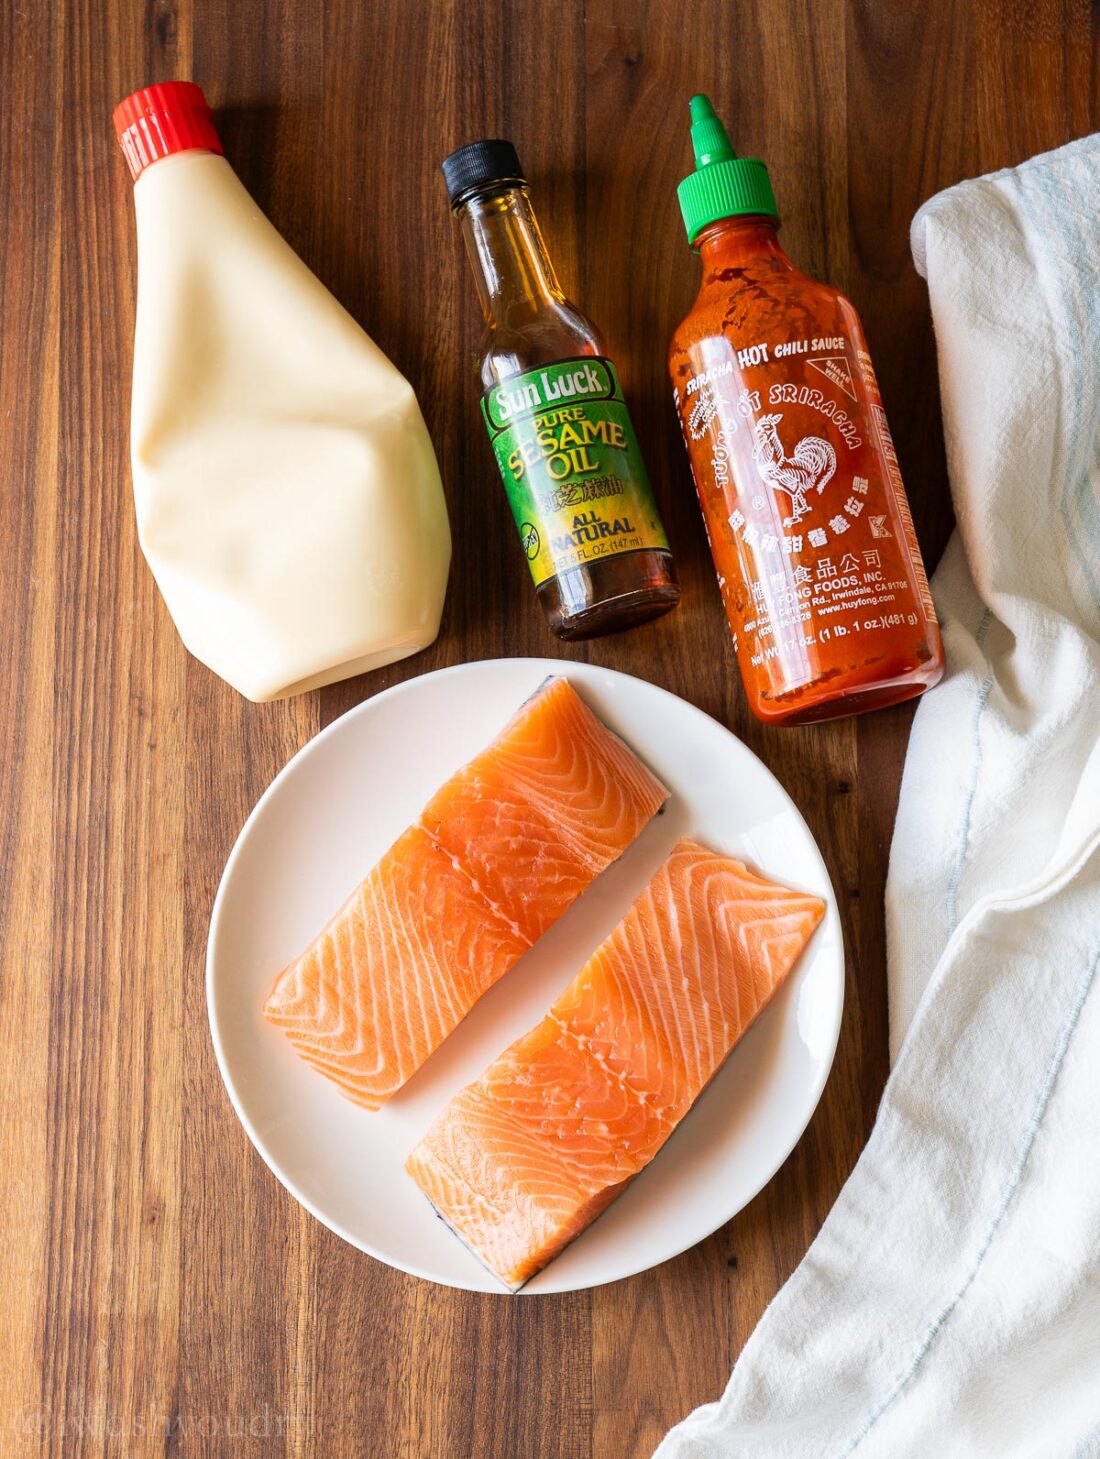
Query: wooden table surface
162, 1293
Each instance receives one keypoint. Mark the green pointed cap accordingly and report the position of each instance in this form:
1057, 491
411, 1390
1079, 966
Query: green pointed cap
723, 185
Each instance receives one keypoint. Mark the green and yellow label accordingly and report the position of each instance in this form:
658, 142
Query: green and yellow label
571, 465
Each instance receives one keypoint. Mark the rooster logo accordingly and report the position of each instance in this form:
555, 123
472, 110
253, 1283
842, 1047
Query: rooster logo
810, 467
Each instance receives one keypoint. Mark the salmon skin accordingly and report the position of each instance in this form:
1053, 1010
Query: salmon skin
497, 855
524, 1158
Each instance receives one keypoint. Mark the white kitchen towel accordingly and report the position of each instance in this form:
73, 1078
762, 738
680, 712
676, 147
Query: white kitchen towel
950, 1305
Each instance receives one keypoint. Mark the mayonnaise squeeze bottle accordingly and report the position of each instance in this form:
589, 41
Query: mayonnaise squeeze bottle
288, 498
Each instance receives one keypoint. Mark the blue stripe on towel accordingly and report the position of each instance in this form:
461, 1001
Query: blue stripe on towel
1089, 1447
1011, 1187
952, 899
1078, 318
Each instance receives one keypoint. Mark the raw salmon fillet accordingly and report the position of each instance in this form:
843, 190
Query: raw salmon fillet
496, 856
524, 1158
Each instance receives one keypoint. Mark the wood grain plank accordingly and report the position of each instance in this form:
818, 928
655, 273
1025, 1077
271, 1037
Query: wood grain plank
165, 1295
108, 1337
29, 593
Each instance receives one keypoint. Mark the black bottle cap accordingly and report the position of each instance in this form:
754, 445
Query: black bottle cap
478, 163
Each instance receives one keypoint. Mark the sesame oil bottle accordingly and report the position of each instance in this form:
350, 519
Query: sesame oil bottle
556, 417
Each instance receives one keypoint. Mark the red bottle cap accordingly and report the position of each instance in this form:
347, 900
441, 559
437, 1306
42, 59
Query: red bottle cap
159, 120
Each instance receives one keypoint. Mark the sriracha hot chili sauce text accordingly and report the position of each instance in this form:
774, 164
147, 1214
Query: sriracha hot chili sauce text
796, 472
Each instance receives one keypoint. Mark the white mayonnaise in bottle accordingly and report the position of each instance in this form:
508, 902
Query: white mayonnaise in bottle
288, 497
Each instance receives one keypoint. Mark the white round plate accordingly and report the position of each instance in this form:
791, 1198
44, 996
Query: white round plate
329, 816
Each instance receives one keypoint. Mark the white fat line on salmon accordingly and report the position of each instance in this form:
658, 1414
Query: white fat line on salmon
583, 1041
480, 1200
325, 1060
658, 971
476, 885
430, 963
321, 1036
314, 1042
455, 1232
636, 771
363, 1081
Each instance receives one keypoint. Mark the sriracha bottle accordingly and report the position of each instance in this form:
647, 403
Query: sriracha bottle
797, 476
